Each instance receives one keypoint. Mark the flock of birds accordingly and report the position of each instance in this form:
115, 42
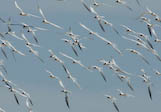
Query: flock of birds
141, 40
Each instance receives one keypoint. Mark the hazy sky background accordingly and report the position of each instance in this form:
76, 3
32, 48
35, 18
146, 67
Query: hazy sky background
29, 73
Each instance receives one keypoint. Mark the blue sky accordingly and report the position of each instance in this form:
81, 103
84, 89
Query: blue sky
29, 73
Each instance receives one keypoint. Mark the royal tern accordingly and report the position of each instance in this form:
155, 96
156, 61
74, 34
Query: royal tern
122, 2
113, 100
45, 21
139, 54
53, 56
35, 53
22, 13
74, 61
99, 69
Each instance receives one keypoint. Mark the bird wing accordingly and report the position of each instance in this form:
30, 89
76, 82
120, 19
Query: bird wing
74, 50
129, 85
67, 100
103, 76
149, 91
28, 14
84, 4
41, 12
89, 30
114, 46
61, 83
34, 36
14, 35
16, 99
65, 55
142, 56
57, 26
116, 107
101, 26
17, 6
149, 29
4, 53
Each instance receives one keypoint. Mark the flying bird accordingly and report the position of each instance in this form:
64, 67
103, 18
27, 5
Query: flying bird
146, 80
27, 41
113, 100
74, 61
53, 56
113, 45
22, 13
139, 54
45, 21
35, 53
122, 2
121, 93
72, 44
66, 92
99, 69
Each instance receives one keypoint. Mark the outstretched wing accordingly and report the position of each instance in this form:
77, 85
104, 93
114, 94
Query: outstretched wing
17, 6
67, 100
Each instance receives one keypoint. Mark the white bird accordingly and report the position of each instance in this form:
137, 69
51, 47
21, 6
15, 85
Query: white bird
139, 54
97, 16
86, 28
127, 29
122, 2
30, 30
22, 13
144, 45
116, 68
124, 94
99, 69
26, 26
100, 20
71, 34
146, 80
45, 21
111, 25
27, 41
127, 79
74, 80
113, 100
6, 81
113, 45
104, 62
26, 95
72, 44
97, 4
53, 56
14, 50
66, 92
144, 39
51, 75
12, 33
152, 30
34, 52
75, 38
14, 92
74, 61
148, 12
